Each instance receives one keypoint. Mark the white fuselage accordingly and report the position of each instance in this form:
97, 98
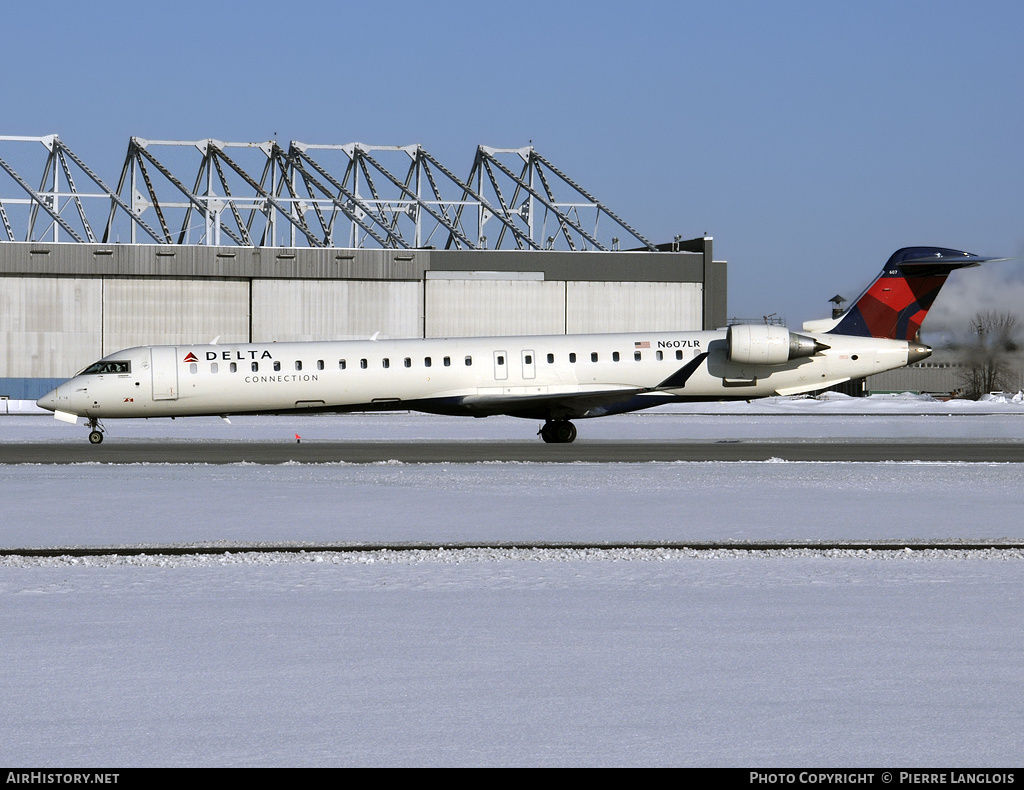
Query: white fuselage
544, 376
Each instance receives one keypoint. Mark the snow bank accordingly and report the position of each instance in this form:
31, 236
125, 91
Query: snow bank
442, 556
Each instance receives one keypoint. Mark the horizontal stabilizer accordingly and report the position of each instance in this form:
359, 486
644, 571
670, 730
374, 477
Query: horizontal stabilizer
958, 262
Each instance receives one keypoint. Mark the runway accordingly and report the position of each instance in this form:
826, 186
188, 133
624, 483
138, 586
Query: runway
433, 452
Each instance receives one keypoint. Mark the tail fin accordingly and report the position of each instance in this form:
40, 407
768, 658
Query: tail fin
895, 304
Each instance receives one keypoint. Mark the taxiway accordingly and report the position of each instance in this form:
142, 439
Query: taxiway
363, 452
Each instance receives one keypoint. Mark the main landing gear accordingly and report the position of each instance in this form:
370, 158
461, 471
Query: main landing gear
558, 432
95, 431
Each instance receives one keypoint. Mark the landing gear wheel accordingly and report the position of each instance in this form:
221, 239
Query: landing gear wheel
558, 432
95, 431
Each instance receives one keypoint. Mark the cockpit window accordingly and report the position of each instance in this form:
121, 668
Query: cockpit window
108, 367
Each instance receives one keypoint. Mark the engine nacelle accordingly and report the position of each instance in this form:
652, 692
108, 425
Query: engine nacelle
762, 344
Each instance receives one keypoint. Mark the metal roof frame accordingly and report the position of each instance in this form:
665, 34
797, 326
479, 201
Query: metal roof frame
317, 195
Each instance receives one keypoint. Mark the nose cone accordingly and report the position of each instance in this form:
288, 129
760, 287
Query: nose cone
48, 401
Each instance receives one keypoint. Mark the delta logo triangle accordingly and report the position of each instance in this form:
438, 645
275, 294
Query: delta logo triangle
190, 357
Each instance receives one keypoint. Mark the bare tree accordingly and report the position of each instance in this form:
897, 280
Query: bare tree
988, 354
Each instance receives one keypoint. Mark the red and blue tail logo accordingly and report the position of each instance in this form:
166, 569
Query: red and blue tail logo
896, 303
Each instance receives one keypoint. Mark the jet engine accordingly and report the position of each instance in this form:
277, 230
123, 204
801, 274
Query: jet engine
762, 344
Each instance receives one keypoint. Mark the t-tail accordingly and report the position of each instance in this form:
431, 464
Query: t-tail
895, 304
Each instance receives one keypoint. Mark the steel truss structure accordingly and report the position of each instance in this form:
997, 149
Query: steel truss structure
264, 195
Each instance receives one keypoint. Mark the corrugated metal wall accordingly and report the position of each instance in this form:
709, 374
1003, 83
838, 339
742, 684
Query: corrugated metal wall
63, 306
49, 327
53, 326
633, 307
293, 310
464, 308
939, 378
467, 308
140, 312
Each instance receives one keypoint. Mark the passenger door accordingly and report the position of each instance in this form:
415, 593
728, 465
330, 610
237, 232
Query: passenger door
164, 364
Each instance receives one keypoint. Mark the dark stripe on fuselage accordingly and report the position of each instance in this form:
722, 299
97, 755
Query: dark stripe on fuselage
678, 379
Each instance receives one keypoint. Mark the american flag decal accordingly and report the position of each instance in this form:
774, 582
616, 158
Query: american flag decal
641, 344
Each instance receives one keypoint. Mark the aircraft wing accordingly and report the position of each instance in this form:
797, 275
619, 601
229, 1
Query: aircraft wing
570, 403
573, 402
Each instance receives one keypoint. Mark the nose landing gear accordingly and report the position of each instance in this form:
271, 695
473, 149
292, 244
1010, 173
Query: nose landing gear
95, 431
558, 432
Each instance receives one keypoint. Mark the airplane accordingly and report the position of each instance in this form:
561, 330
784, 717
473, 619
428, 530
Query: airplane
554, 378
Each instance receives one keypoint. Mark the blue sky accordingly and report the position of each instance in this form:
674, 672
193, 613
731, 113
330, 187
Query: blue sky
811, 139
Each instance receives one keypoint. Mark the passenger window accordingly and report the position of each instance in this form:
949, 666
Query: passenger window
255, 367
277, 365
593, 356
298, 364
501, 360
659, 356
615, 356
528, 359
469, 361
341, 364
447, 361
408, 362
386, 362
362, 364
426, 362
636, 356
234, 367
551, 359
319, 364
572, 357
193, 368
679, 353
213, 367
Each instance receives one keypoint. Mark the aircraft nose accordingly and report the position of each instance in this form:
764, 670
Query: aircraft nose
48, 401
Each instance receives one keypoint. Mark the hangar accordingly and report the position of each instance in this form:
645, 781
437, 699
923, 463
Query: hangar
254, 242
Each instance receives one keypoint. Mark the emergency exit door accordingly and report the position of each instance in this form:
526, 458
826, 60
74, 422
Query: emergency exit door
500, 366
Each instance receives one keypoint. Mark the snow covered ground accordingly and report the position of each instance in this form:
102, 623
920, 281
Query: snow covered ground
104, 505
518, 657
